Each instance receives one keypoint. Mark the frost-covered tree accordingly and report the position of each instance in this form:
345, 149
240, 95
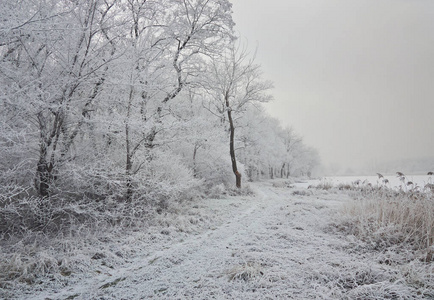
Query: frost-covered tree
201, 139
99, 74
268, 151
235, 84
165, 46
53, 58
116, 99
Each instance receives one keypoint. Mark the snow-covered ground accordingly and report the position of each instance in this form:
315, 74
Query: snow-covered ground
394, 181
279, 244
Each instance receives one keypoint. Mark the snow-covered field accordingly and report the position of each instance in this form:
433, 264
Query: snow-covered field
280, 244
394, 181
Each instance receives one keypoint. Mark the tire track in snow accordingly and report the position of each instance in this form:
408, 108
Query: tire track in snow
203, 261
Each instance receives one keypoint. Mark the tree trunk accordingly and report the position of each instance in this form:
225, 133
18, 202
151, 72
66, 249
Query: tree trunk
129, 192
194, 161
231, 145
129, 158
44, 168
45, 178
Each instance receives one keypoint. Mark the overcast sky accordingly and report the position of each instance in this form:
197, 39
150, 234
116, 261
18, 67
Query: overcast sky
354, 78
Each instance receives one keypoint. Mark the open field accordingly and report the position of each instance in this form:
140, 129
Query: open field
394, 180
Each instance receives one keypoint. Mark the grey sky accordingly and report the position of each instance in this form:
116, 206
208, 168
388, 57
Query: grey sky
355, 78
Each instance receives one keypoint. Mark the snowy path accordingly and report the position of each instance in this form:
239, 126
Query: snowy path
276, 238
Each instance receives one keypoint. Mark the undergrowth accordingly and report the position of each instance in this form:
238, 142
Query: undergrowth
53, 240
49, 241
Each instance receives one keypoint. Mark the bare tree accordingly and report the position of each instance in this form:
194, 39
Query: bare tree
236, 83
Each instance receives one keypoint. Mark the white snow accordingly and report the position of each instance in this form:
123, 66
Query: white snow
394, 181
278, 244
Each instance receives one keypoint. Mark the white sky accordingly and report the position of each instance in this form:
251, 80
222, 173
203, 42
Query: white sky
355, 78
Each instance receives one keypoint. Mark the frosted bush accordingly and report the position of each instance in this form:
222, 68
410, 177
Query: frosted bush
216, 169
164, 179
217, 191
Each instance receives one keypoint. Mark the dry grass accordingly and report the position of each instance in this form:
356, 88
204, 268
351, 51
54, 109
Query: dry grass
323, 185
246, 271
388, 217
393, 217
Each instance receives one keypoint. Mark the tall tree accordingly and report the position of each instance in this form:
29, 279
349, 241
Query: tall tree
53, 65
236, 83
165, 47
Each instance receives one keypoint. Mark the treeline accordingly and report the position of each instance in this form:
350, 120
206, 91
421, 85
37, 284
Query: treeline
131, 101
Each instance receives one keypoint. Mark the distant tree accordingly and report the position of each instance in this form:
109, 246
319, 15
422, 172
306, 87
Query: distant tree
292, 143
268, 151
